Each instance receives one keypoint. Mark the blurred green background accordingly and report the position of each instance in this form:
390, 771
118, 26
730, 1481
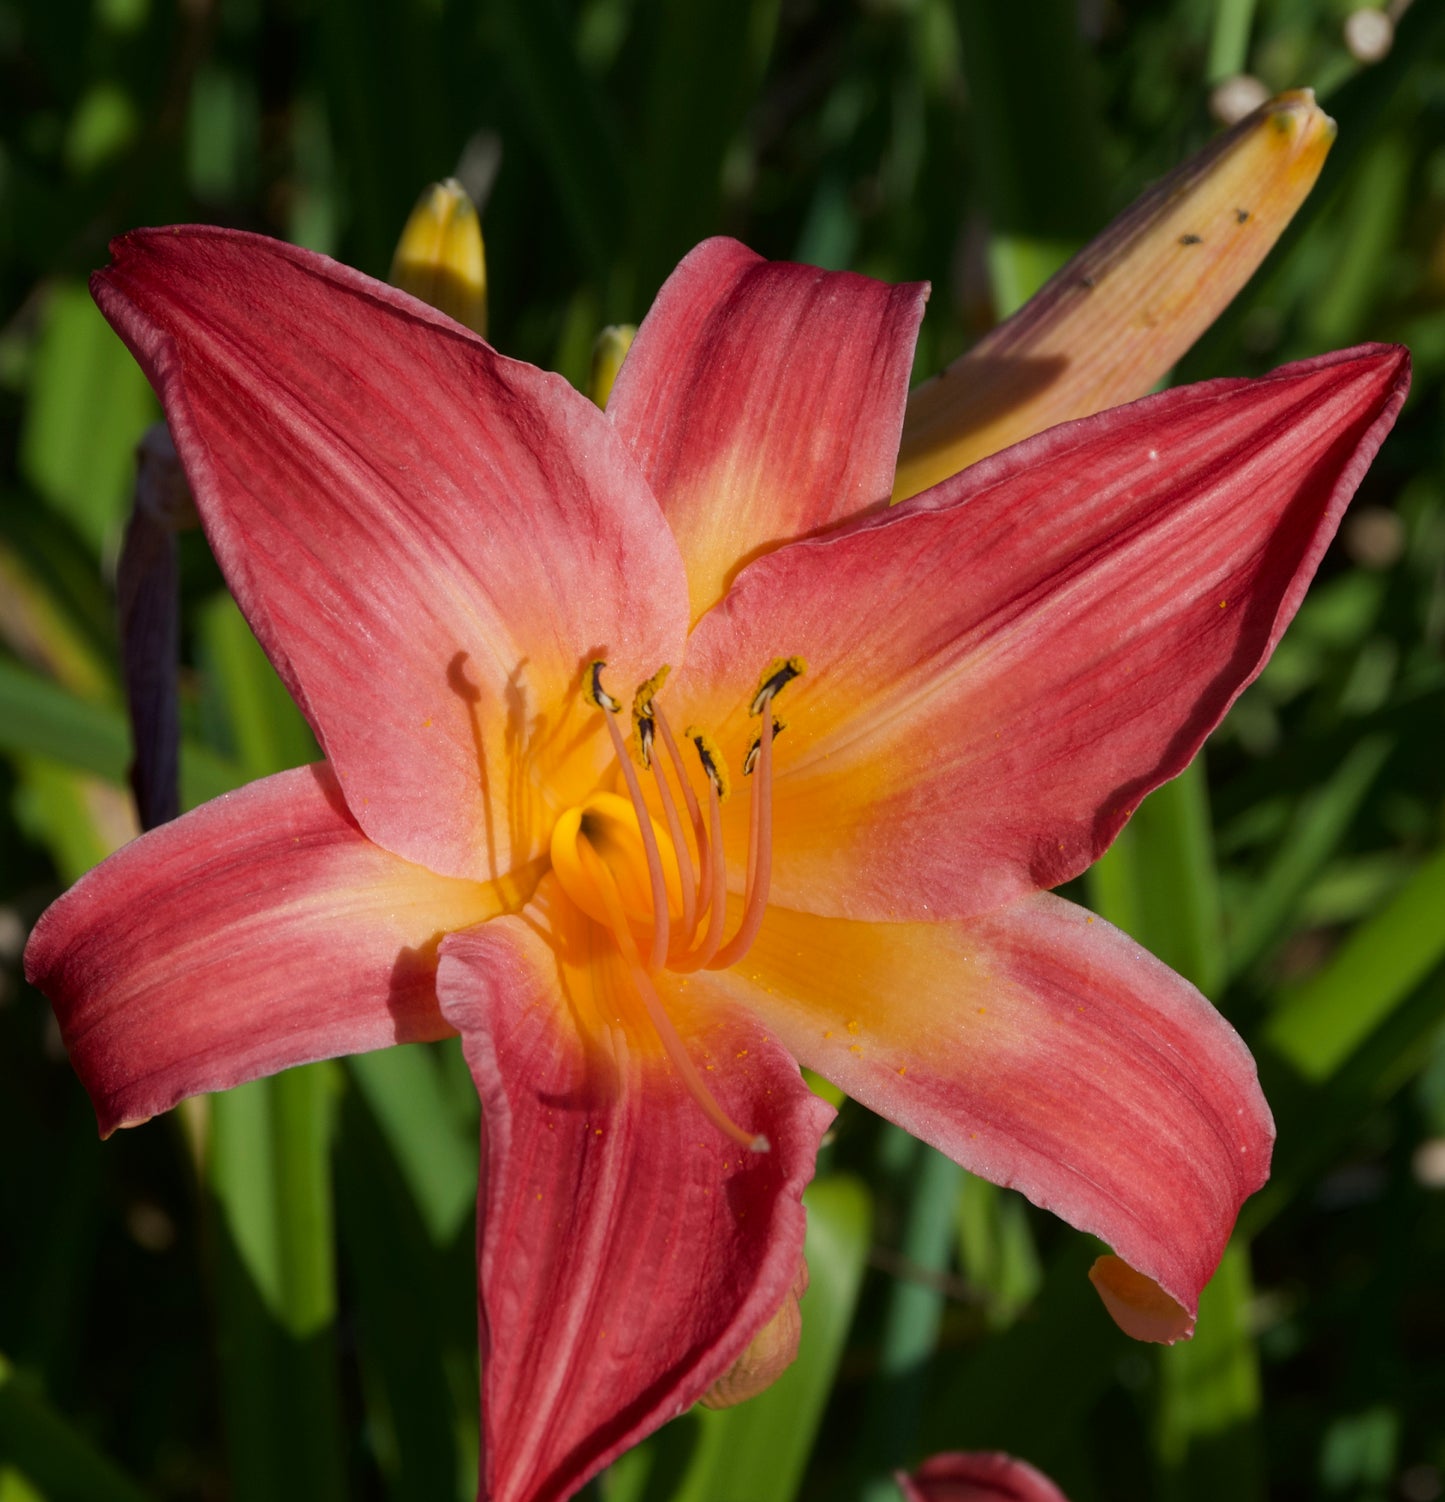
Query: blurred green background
271, 1295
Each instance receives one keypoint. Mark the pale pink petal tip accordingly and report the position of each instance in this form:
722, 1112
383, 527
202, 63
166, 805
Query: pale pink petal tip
1138, 1305
977, 1476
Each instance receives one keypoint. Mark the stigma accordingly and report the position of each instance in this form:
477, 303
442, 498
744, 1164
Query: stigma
659, 887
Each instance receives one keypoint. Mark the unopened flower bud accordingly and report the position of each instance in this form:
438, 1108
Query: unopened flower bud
1115, 319
608, 354
440, 257
768, 1355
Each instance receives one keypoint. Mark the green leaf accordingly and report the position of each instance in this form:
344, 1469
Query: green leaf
51, 1453
1320, 820
707, 59
89, 404
996, 1250
912, 1319
1320, 1023
991, 1396
1207, 1439
79, 819
39, 719
415, 1300
58, 615
572, 127
269, 1176
1158, 881
267, 733
1036, 131
434, 1144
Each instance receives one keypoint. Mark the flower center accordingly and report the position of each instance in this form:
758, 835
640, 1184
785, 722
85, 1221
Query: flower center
660, 888
607, 824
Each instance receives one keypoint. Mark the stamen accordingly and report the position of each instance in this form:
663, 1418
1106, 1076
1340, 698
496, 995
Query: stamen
673, 1045
714, 767
760, 856
680, 850
715, 873
642, 712
751, 759
699, 829
594, 693
661, 920
779, 673
644, 728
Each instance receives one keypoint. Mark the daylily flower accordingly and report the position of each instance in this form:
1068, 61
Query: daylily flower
977, 1476
928, 714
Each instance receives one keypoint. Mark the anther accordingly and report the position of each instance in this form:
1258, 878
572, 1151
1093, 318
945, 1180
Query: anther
594, 693
779, 673
644, 723
750, 760
713, 765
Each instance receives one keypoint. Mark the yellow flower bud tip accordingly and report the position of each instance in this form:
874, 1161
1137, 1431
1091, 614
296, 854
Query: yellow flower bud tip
608, 354
440, 257
1296, 117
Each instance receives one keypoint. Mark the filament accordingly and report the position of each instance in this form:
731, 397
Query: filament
661, 932
760, 853
667, 1035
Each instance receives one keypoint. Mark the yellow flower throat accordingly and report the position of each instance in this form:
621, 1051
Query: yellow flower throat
660, 888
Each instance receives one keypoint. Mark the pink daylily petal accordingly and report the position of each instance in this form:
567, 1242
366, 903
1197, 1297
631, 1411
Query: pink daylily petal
1040, 1048
428, 539
628, 1250
1000, 669
764, 400
260, 931
979, 1476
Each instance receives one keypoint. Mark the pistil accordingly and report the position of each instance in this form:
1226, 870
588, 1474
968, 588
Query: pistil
676, 1051
760, 846
661, 923
701, 888
715, 871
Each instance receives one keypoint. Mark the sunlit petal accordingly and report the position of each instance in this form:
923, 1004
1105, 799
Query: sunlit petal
262, 930
1041, 1048
392, 502
764, 400
999, 670
628, 1250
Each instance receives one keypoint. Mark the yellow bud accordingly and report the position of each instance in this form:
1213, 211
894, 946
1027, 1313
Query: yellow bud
768, 1355
1121, 313
608, 354
440, 257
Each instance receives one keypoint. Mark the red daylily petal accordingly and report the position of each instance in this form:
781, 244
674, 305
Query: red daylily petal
260, 931
628, 1250
764, 400
982, 1476
1000, 669
1040, 1048
429, 540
